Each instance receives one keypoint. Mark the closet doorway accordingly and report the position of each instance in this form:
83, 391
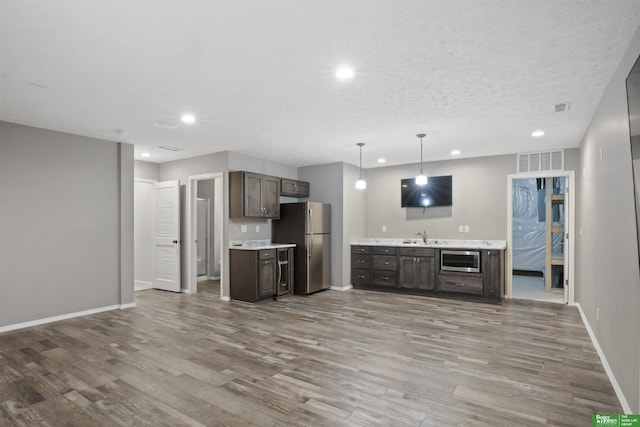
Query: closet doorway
540, 250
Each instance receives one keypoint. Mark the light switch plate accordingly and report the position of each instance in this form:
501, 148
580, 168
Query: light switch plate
243, 228
466, 228
257, 228
384, 228
461, 229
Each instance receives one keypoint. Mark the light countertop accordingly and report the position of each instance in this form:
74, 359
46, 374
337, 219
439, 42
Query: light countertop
258, 245
435, 243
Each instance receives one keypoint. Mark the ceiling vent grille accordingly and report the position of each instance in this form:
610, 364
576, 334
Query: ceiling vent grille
542, 161
563, 106
169, 148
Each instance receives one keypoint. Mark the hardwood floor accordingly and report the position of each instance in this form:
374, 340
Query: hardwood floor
355, 358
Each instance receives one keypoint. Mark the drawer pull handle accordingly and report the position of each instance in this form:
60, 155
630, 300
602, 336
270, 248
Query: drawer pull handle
386, 263
361, 276
385, 278
360, 260
459, 284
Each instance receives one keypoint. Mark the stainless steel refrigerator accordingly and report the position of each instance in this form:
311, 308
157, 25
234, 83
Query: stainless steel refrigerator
308, 225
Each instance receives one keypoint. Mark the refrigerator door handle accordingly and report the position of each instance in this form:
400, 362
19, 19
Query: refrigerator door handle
310, 221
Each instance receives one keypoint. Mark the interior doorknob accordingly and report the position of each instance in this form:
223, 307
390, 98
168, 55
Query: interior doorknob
175, 241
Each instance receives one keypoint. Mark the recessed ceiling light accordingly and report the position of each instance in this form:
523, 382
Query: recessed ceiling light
537, 133
344, 72
188, 119
381, 160
145, 155
455, 152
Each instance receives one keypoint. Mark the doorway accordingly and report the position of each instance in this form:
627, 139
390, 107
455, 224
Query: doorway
540, 261
204, 227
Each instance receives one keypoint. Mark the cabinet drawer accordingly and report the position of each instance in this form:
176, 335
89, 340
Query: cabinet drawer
360, 260
417, 252
267, 254
384, 250
360, 276
385, 262
360, 249
461, 284
383, 278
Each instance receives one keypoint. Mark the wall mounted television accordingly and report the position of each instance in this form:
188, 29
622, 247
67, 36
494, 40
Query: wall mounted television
437, 192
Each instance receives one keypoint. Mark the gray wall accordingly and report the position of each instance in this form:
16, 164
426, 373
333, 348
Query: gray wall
607, 266
479, 199
146, 170
354, 214
66, 221
327, 187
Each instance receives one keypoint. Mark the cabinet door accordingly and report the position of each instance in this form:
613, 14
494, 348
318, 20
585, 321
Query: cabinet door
271, 196
266, 278
417, 272
493, 274
253, 195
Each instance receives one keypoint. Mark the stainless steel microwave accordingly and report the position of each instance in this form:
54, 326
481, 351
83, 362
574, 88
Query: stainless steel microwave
464, 261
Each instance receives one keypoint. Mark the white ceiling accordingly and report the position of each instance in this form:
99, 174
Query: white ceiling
479, 76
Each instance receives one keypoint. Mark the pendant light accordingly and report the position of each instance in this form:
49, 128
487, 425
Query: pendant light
361, 184
421, 179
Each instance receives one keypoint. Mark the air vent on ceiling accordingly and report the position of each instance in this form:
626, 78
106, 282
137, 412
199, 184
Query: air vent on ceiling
563, 106
169, 148
542, 161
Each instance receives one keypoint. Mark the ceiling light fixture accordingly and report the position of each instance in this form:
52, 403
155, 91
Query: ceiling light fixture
382, 160
421, 179
145, 155
455, 152
537, 133
344, 72
361, 184
188, 119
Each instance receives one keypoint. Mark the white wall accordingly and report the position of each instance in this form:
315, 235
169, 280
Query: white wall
66, 221
607, 266
146, 170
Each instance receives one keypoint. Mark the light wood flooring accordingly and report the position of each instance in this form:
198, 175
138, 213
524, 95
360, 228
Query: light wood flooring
355, 358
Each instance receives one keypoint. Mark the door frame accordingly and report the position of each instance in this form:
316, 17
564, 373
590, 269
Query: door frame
190, 214
208, 246
570, 221
139, 285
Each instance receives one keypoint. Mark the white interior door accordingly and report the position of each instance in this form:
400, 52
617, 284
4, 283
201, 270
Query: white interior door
166, 247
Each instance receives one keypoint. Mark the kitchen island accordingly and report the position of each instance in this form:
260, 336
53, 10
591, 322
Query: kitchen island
451, 268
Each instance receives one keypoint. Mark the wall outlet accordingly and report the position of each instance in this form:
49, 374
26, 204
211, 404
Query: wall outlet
384, 228
243, 228
461, 229
257, 228
466, 228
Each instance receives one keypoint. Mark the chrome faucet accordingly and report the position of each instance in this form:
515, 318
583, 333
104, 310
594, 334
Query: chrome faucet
423, 235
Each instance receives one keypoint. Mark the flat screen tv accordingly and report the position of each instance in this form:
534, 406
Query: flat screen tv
437, 192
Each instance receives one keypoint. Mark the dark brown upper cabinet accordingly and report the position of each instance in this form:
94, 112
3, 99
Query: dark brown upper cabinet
252, 195
293, 188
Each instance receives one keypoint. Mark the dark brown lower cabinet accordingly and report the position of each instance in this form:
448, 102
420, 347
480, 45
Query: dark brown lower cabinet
253, 274
493, 267
417, 268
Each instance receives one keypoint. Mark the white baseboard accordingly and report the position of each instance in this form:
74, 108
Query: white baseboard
186, 291
141, 285
129, 305
225, 298
341, 288
61, 317
605, 364
214, 277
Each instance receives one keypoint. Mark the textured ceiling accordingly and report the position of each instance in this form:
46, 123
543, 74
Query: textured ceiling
479, 76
